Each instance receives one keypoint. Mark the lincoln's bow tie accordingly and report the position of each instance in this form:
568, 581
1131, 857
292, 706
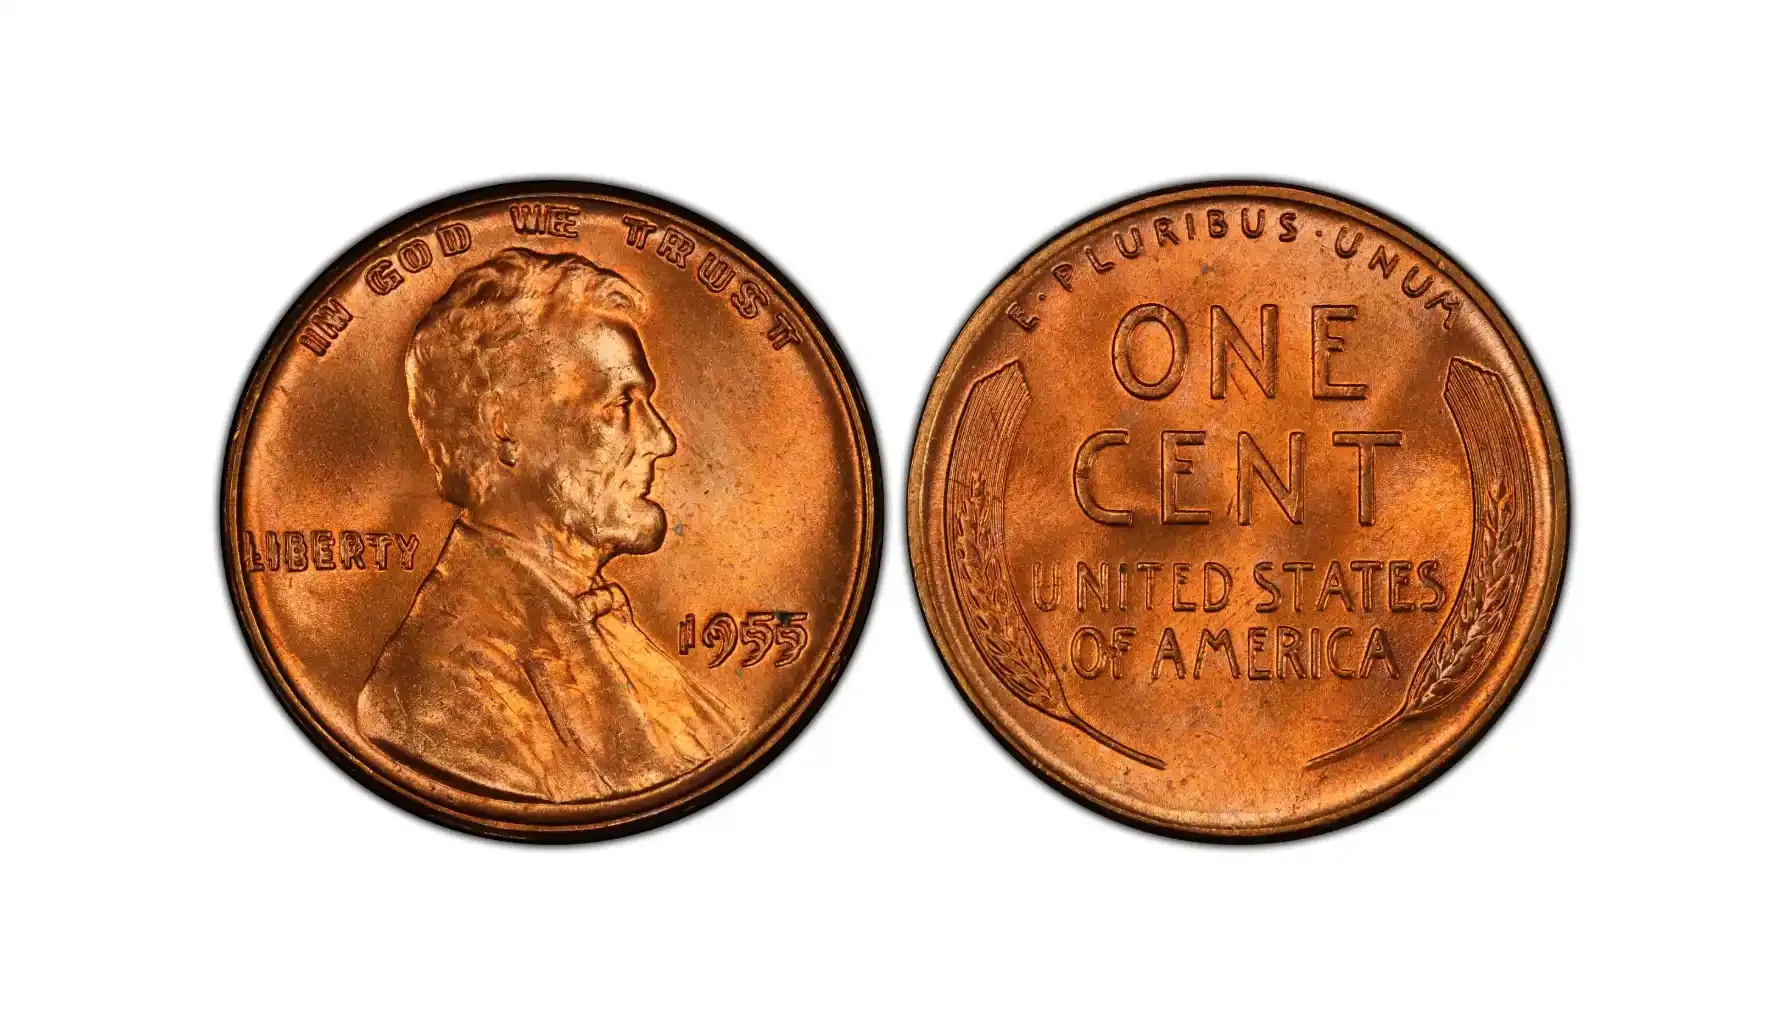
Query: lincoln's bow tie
607, 599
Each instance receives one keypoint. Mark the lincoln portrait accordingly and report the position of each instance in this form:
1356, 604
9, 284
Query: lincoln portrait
519, 671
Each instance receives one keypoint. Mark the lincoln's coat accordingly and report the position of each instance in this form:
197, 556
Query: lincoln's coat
515, 675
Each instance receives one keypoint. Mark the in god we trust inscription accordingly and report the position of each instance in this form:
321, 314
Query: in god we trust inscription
1238, 511
488, 470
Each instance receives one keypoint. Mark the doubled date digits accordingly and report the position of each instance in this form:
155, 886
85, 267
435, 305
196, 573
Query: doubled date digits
756, 635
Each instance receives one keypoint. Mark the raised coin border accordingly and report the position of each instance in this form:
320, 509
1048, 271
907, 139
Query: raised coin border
934, 608
822, 683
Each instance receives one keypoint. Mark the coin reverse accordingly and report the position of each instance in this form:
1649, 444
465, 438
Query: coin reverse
1237, 511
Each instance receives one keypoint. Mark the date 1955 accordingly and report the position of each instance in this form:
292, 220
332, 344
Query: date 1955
779, 634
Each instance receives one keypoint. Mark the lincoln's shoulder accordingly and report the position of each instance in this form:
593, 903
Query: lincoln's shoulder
478, 610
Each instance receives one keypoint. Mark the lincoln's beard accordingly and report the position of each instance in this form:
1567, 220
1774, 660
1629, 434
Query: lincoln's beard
614, 523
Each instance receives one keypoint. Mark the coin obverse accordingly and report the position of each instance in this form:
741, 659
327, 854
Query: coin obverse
551, 511
1237, 511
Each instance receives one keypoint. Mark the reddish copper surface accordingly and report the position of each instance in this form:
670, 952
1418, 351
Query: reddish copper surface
550, 511
1237, 511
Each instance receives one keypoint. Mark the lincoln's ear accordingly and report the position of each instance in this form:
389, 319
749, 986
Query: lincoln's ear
506, 444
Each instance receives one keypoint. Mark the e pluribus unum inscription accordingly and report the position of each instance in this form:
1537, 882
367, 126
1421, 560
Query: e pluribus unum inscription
1201, 227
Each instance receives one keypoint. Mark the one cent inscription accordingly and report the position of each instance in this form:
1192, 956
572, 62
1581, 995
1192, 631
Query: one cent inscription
488, 465
1237, 511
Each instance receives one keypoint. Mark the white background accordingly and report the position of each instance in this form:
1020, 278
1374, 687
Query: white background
174, 848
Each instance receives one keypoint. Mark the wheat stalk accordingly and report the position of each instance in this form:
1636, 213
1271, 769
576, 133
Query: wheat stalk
1487, 595
1498, 556
977, 560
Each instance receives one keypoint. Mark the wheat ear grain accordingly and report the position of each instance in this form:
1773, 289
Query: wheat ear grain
993, 614
1496, 571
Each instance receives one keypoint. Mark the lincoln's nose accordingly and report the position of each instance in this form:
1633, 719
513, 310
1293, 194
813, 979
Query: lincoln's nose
661, 442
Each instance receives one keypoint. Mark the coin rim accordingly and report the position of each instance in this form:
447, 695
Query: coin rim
822, 681
1465, 739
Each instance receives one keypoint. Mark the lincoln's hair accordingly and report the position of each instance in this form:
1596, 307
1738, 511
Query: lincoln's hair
485, 335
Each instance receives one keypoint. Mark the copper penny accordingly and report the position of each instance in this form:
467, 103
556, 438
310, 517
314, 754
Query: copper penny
551, 511
1238, 511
